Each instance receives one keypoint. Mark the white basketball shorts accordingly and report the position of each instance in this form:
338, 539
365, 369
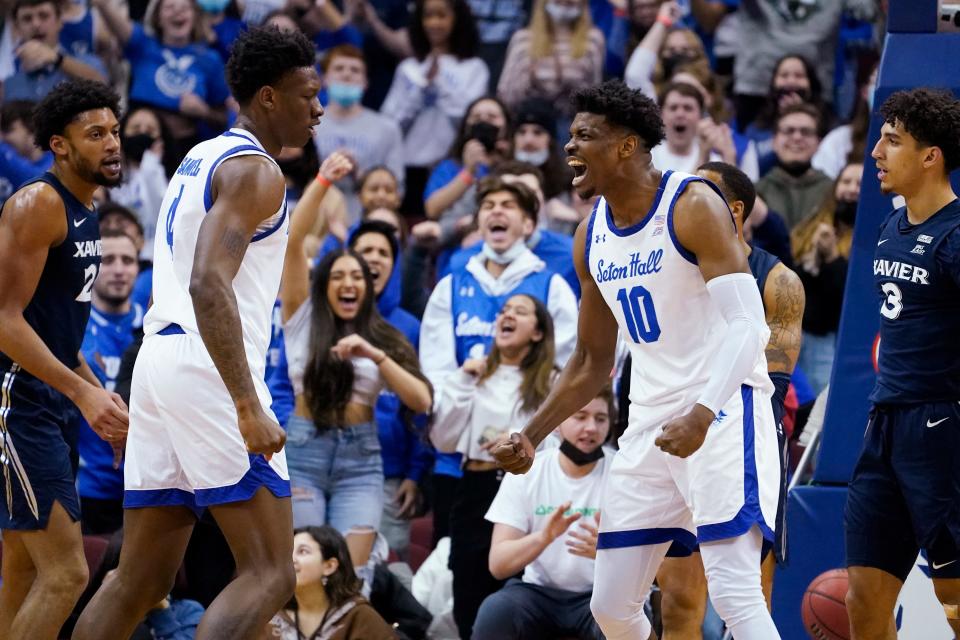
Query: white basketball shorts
184, 445
722, 490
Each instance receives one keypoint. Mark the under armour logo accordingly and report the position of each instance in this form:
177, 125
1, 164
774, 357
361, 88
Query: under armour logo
466, 292
601, 237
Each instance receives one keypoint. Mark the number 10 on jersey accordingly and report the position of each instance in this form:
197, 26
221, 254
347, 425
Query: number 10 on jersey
639, 314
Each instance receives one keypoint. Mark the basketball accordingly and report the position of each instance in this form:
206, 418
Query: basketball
823, 610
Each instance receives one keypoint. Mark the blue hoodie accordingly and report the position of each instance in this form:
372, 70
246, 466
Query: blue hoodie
404, 453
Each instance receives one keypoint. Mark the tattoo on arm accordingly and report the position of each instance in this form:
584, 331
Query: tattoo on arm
234, 242
218, 318
785, 324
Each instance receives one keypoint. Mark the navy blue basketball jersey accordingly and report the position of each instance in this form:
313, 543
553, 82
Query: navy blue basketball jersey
60, 306
917, 273
761, 264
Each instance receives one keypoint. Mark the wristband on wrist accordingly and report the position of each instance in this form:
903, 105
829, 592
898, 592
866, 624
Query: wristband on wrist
465, 177
322, 180
665, 21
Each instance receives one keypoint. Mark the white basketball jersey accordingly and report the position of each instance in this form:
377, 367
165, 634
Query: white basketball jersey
187, 200
655, 290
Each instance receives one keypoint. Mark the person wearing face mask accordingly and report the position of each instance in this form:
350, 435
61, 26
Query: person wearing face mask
794, 81
550, 246
664, 48
458, 320
545, 525
559, 51
367, 137
793, 187
767, 30
144, 178
535, 143
222, 23
822, 249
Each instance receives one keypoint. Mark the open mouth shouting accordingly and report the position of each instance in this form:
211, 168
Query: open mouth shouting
349, 303
579, 170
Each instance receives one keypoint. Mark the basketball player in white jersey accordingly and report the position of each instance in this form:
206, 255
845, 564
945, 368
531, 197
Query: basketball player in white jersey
659, 260
202, 434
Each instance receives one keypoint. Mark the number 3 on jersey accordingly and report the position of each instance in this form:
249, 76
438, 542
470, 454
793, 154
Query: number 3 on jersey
639, 314
893, 305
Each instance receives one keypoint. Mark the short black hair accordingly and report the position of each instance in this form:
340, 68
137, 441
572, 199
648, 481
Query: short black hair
69, 99
464, 39
376, 226
805, 108
622, 106
684, 89
931, 116
110, 208
517, 168
21, 4
734, 184
526, 198
16, 111
262, 56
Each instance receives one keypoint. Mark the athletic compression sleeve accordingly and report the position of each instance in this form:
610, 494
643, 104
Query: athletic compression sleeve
738, 299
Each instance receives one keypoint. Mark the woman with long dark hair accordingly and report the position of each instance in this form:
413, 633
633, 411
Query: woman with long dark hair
794, 81
327, 601
340, 354
431, 90
477, 408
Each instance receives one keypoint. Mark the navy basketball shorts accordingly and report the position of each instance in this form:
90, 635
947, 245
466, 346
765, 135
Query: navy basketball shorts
37, 451
905, 492
779, 544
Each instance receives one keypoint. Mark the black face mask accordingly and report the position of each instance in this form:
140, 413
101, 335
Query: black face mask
134, 146
804, 94
578, 457
671, 62
845, 212
795, 169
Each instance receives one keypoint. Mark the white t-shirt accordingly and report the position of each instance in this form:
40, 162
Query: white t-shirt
525, 502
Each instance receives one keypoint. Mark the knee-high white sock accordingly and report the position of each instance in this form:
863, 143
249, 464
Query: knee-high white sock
621, 585
733, 580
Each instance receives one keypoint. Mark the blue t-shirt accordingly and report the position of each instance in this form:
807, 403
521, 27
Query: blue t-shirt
107, 337
162, 74
33, 86
76, 37
14, 171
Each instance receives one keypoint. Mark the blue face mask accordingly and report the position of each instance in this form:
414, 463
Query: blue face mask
213, 6
345, 95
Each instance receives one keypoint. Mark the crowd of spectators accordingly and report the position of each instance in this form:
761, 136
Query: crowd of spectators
432, 226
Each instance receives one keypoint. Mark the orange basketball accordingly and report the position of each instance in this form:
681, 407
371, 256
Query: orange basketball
823, 609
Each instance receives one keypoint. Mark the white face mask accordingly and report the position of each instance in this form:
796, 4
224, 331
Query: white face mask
507, 256
536, 158
562, 13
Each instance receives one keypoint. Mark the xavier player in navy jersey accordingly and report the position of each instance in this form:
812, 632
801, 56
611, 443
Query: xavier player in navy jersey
905, 491
49, 257
683, 586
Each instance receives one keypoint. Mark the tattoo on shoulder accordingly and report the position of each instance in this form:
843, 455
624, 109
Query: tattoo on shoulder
234, 242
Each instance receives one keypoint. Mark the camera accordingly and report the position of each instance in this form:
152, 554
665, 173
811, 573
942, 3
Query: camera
485, 133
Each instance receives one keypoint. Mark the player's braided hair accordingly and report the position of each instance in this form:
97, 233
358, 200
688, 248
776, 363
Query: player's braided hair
262, 56
932, 116
622, 106
68, 100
